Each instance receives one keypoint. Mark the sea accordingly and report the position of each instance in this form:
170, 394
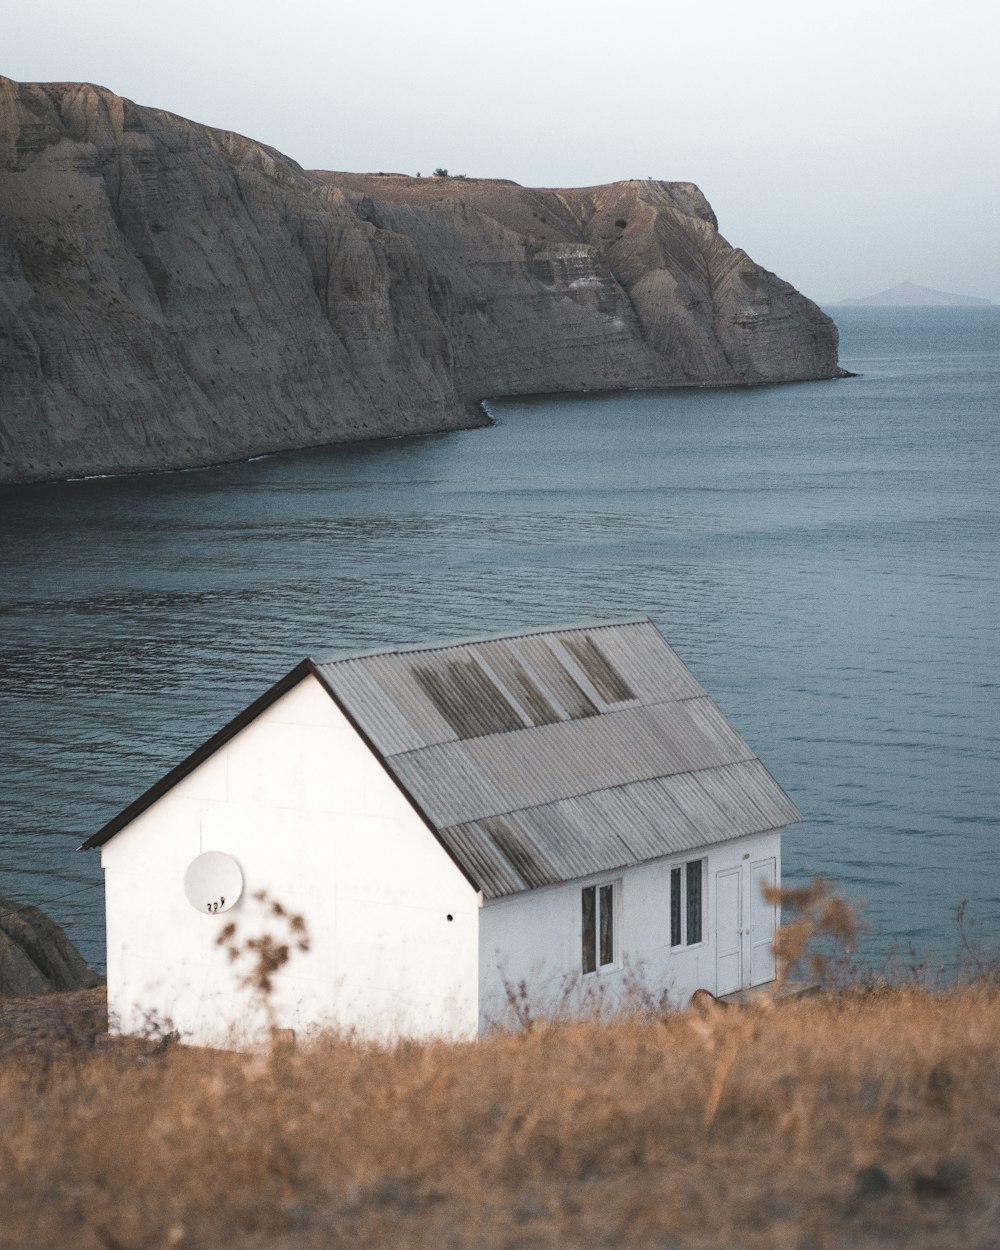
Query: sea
824, 556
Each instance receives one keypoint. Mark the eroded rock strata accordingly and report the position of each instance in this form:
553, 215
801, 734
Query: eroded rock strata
174, 295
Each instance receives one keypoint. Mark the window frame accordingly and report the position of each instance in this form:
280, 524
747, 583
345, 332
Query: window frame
679, 899
598, 885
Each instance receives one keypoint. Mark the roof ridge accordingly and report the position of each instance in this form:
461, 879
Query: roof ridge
478, 640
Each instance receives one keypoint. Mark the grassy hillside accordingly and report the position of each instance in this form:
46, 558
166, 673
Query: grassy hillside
861, 1119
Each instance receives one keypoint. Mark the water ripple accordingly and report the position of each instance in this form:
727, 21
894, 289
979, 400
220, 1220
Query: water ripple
824, 557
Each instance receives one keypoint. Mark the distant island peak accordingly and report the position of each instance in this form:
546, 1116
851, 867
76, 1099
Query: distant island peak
911, 295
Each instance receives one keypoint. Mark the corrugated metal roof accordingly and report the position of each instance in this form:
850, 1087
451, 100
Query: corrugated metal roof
611, 829
551, 756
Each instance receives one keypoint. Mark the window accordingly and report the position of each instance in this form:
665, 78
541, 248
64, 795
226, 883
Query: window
599, 926
686, 903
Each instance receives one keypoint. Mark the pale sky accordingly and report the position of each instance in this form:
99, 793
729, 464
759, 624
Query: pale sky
847, 147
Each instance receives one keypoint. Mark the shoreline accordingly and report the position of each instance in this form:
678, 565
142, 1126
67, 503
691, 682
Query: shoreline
478, 411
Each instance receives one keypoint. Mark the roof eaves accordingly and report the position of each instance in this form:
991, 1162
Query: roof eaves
795, 819
198, 756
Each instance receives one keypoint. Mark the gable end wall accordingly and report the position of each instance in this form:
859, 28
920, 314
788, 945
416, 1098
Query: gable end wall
312, 817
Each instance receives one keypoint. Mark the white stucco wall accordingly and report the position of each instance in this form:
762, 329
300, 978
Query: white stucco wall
312, 818
535, 939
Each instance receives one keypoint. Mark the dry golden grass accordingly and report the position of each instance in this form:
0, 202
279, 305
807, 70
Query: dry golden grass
864, 1119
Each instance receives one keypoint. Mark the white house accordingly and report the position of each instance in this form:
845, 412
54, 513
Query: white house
567, 810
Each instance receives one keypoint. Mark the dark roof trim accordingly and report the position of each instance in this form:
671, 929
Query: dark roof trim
404, 791
198, 756
305, 668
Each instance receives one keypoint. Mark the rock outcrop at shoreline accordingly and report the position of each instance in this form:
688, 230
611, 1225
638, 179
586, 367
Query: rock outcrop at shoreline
36, 956
173, 295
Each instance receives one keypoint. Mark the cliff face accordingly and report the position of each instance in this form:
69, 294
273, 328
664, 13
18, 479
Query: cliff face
174, 295
638, 270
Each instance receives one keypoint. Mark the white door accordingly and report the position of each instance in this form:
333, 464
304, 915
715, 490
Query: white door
728, 931
762, 876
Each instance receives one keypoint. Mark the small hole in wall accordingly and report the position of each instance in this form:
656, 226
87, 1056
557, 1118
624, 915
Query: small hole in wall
450, 916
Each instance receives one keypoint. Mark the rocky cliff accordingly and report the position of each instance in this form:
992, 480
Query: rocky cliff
174, 295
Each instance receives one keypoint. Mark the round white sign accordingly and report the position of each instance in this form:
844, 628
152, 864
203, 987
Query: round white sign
213, 882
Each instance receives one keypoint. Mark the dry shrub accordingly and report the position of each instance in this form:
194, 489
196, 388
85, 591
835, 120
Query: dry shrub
261, 957
979, 962
819, 933
257, 959
832, 1121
